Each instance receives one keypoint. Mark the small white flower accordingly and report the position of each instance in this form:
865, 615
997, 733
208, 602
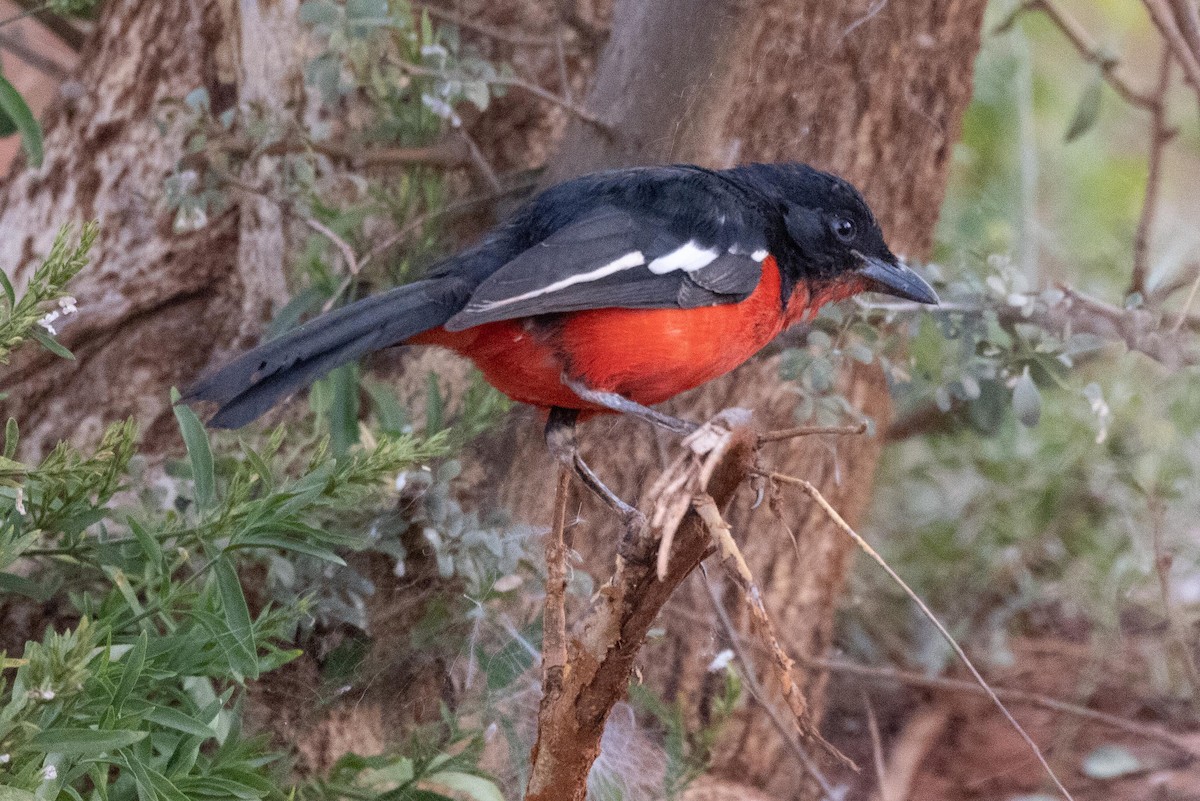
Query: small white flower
20, 501
49, 773
720, 661
401, 481
68, 305
47, 322
5, 759
48, 694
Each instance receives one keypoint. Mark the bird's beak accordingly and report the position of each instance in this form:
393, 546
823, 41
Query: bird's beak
894, 278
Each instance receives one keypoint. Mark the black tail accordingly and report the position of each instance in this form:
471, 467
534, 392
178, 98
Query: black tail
257, 380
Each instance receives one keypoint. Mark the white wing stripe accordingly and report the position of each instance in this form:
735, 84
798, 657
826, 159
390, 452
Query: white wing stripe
634, 259
688, 257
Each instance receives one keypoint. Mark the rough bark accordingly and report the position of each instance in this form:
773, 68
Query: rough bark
157, 303
873, 92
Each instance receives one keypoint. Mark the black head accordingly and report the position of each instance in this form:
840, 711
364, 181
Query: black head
827, 232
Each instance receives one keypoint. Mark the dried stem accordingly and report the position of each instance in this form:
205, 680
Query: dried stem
912, 679
737, 570
786, 731
1164, 20
490, 31
1160, 135
843, 526
341, 244
805, 431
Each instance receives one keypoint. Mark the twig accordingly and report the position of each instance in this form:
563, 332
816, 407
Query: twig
1177, 643
1187, 17
341, 244
66, 30
877, 751
480, 161
804, 431
1165, 22
33, 58
909, 750
1187, 304
737, 569
517, 83
554, 621
490, 31
865, 546
758, 693
1025, 697
1092, 53
1160, 135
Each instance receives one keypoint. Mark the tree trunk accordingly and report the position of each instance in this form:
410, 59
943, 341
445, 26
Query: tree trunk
874, 92
158, 303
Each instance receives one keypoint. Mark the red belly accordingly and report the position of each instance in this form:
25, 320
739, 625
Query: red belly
647, 355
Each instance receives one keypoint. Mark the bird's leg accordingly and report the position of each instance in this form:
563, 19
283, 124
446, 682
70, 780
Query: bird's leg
561, 441
619, 403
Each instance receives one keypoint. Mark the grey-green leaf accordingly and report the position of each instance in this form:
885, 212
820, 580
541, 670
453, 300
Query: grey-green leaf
237, 618
1088, 110
1027, 401
84, 741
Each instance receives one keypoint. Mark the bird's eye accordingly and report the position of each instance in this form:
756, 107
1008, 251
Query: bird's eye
843, 229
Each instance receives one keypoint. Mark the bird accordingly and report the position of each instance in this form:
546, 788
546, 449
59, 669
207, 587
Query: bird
610, 292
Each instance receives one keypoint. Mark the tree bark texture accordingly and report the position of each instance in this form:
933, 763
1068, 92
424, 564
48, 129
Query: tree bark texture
874, 92
157, 303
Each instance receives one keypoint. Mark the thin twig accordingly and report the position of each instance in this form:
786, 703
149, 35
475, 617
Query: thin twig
1187, 304
341, 244
44, 64
516, 83
736, 568
876, 750
865, 546
554, 621
758, 693
490, 31
1165, 22
1092, 53
1160, 135
480, 161
804, 431
1025, 697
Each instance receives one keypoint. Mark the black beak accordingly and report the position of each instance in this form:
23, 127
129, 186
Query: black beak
894, 278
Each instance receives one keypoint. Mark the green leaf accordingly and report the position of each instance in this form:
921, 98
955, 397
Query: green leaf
468, 785
13, 794
343, 408
15, 110
1110, 762
10, 293
51, 344
1027, 401
244, 653
40, 591
174, 719
195, 438
84, 741
1088, 110
134, 661
434, 405
286, 544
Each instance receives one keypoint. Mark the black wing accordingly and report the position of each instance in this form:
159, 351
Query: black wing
625, 256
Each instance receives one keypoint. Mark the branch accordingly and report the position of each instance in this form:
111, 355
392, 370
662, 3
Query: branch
602, 647
1165, 22
912, 679
41, 63
490, 31
1091, 52
517, 83
1160, 135
65, 29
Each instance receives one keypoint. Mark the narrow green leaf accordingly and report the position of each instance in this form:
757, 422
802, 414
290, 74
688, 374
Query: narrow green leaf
1088, 110
51, 344
10, 293
286, 544
343, 408
14, 107
195, 438
84, 741
39, 591
237, 618
133, 663
174, 719
434, 405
